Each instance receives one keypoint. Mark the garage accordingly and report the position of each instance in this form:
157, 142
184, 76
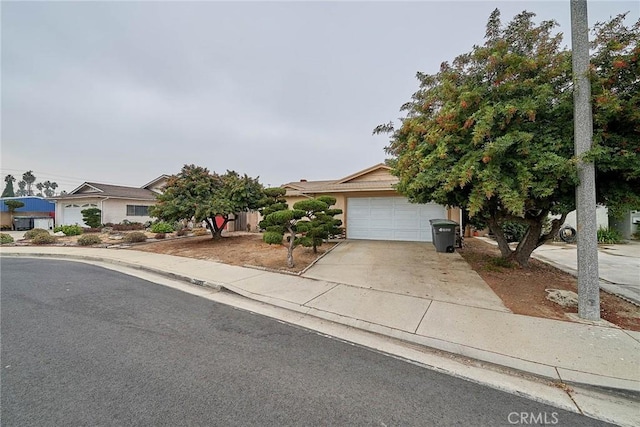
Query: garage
72, 213
390, 218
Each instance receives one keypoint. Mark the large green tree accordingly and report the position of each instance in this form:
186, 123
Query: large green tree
195, 193
492, 132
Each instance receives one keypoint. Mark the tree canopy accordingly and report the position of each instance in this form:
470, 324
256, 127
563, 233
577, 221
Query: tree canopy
195, 193
492, 132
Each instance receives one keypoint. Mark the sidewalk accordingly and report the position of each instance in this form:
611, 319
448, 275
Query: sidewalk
598, 355
618, 265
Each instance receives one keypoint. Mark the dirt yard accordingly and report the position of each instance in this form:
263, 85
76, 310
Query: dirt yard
238, 248
521, 290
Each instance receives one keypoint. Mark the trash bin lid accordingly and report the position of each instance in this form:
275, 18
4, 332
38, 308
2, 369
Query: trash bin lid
437, 222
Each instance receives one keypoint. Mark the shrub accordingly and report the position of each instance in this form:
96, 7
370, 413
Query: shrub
89, 239
91, 217
34, 232
514, 231
69, 230
5, 238
128, 226
160, 235
609, 236
181, 232
135, 237
162, 227
44, 239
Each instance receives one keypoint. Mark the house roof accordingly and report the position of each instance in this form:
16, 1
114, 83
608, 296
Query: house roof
374, 178
96, 189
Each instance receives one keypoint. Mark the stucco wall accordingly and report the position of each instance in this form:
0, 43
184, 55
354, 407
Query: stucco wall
115, 211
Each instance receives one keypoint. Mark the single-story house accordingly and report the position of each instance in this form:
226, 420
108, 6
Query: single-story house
116, 203
372, 208
36, 212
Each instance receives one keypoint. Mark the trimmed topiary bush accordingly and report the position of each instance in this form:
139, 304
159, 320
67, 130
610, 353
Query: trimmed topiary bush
44, 239
160, 235
89, 239
34, 232
135, 237
162, 227
5, 238
69, 230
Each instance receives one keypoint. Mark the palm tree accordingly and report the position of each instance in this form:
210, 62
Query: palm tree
21, 189
29, 178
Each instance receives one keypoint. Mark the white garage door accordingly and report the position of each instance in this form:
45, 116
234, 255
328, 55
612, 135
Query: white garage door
72, 213
390, 218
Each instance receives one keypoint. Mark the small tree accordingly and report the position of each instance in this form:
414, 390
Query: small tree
279, 221
307, 224
196, 193
91, 217
12, 205
8, 189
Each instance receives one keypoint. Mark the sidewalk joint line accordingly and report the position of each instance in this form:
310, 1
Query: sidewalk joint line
565, 387
422, 318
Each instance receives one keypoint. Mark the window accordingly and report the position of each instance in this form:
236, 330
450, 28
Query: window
137, 210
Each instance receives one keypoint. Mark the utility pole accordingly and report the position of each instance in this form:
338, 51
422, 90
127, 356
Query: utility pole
587, 233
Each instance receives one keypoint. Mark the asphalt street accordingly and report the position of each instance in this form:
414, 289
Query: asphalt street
82, 345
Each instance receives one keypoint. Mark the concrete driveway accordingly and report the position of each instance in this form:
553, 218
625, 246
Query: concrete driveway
406, 268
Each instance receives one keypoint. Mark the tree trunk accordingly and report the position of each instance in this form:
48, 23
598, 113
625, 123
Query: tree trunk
292, 242
216, 233
503, 245
528, 243
532, 239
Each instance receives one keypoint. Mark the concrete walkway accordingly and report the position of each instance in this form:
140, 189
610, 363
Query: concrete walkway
618, 265
599, 355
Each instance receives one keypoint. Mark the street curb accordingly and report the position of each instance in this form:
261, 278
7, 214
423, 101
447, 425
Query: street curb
543, 371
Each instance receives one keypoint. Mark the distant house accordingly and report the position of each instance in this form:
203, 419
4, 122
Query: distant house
36, 212
372, 208
116, 203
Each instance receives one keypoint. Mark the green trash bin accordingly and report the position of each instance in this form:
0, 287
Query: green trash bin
443, 234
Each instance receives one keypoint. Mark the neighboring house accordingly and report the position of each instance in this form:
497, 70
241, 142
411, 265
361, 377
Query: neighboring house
36, 212
372, 208
116, 203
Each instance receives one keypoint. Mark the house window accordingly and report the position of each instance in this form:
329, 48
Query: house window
137, 210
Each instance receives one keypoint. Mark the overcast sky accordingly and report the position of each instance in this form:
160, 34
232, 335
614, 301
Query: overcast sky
122, 92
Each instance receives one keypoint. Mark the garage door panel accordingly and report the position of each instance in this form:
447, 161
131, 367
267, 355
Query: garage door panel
390, 218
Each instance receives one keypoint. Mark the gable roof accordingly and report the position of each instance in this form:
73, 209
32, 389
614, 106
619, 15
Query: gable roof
96, 189
374, 178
